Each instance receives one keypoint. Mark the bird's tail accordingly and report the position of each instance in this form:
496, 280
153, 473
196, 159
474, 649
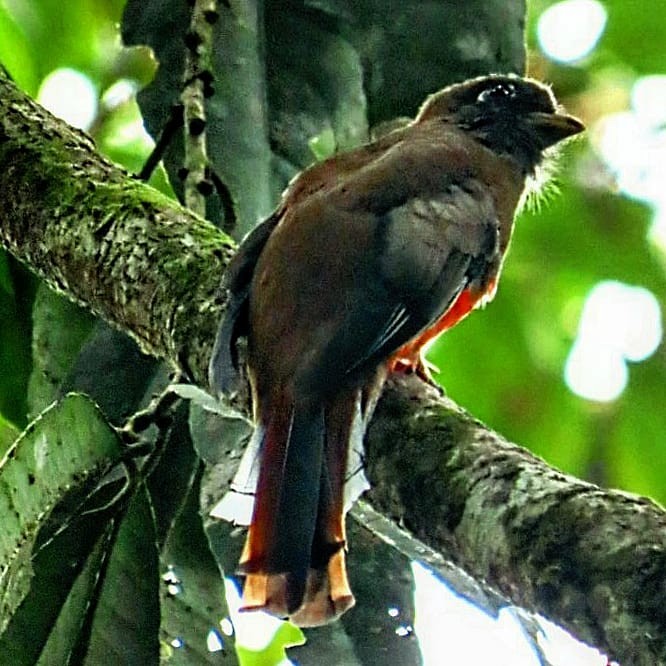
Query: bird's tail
294, 555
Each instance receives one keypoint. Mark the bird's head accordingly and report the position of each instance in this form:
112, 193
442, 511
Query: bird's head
511, 115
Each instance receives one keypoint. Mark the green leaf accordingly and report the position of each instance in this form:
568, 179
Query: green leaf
68, 446
172, 478
192, 593
62, 622
275, 653
59, 329
217, 433
16, 297
111, 368
8, 434
15, 52
126, 622
322, 145
6, 282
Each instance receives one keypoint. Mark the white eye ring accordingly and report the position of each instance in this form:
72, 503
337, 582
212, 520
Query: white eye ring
498, 91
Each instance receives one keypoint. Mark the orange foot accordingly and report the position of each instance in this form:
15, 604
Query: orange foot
409, 360
413, 364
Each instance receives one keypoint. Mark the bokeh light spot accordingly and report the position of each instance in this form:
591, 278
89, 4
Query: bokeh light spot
504, 637
595, 372
633, 145
214, 641
619, 323
569, 30
69, 95
648, 98
118, 93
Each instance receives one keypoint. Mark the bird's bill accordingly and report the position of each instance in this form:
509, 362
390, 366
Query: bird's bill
555, 126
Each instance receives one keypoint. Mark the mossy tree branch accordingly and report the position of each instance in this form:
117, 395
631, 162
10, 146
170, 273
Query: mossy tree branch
593, 561
106, 240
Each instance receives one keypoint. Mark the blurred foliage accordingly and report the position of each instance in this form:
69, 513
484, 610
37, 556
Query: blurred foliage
504, 364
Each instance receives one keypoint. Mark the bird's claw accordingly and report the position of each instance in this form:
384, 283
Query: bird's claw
415, 365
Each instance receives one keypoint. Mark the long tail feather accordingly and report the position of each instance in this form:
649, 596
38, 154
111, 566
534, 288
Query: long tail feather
277, 554
310, 472
328, 593
296, 517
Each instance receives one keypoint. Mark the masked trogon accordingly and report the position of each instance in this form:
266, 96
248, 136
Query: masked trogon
369, 255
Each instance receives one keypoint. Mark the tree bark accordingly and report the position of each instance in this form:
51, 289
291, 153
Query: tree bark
106, 240
593, 561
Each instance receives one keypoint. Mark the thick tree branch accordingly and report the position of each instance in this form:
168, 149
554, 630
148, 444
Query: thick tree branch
591, 560
106, 240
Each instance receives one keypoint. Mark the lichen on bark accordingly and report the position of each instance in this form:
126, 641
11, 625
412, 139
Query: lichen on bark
106, 240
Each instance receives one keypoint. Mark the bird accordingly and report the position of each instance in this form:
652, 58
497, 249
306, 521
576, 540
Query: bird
369, 255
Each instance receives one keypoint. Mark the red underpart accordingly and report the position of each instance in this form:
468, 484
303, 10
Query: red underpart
408, 358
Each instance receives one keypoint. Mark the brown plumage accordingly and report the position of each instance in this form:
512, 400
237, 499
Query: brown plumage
368, 256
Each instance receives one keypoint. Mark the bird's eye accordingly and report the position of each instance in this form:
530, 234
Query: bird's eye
496, 93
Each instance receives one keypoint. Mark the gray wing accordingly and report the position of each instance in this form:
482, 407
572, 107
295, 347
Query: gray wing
435, 247
427, 251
